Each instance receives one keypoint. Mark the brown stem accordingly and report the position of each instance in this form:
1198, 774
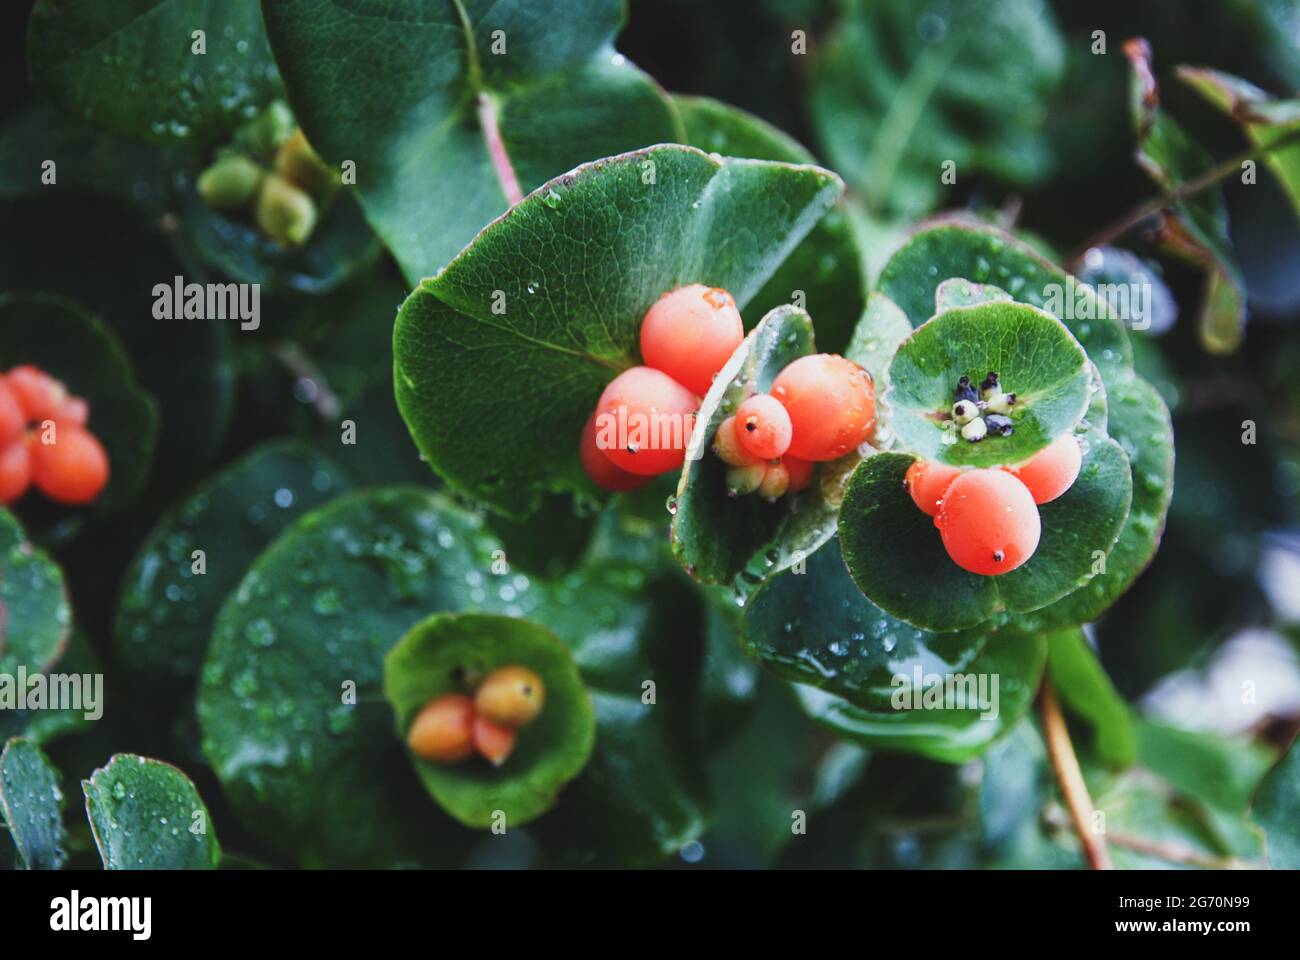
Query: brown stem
1068, 774
326, 403
1172, 853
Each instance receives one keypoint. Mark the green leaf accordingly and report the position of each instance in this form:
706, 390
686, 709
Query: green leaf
1264, 119
132, 68
1275, 808
877, 336
956, 293
167, 608
1032, 352
1196, 225
418, 105
1088, 692
897, 558
900, 89
35, 618
717, 537
986, 255
63, 339
1219, 771
435, 659
826, 268
1013, 662
146, 815
31, 805
575, 266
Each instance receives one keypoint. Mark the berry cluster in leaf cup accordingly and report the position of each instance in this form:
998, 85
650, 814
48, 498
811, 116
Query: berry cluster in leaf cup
988, 517
452, 727
45, 443
819, 408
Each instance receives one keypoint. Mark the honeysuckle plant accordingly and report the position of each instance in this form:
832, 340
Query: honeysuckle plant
327, 526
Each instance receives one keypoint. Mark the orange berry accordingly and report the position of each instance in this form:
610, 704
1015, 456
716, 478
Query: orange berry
726, 444
443, 730
643, 421
73, 410
15, 472
799, 471
1052, 470
492, 740
73, 469
831, 403
38, 394
690, 333
763, 426
776, 481
511, 696
988, 521
926, 481
600, 468
12, 418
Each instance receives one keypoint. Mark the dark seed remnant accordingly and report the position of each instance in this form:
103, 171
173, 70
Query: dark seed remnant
998, 556
965, 391
990, 381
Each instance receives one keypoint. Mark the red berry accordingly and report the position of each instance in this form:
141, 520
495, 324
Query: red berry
73, 410
73, 469
690, 333
763, 427
492, 740
600, 468
726, 444
643, 421
989, 522
15, 471
799, 471
926, 482
831, 403
1052, 470
12, 419
38, 394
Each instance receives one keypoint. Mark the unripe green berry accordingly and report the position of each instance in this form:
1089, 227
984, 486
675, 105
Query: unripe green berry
229, 183
298, 163
285, 213
742, 481
264, 133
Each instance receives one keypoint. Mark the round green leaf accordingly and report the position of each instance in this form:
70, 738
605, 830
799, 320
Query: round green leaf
60, 337
419, 104
134, 68
984, 254
717, 537
1034, 355
31, 805
815, 627
35, 618
1009, 669
553, 294
1274, 809
168, 604
146, 815
879, 331
435, 658
896, 556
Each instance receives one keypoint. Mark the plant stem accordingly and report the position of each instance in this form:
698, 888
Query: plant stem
489, 122
1068, 774
295, 360
1172, 853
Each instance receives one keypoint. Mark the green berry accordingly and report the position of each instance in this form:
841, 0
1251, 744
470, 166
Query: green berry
229, 183
745, 480
264, 133
285, 213
298, 163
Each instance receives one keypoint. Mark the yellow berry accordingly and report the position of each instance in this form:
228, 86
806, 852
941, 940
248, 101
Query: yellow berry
511, 696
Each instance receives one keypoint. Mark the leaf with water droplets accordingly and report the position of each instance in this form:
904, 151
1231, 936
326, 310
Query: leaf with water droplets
35, 618
147, 815
31, 805
1274, 810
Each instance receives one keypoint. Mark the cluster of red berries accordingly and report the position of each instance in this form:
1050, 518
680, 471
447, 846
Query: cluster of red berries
821, 407
644, 418
44, 441
451, 727
988, 518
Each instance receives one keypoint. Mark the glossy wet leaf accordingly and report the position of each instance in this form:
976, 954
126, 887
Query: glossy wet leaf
407, 105
574, 267
1032, 352
1087, 692
894, 96
984, 254
896, 556
147, 815
170, 597
65, 340
815, 627
1274, 810
717, 537
876, 338
1217, 770
443, 655
35, 618
1014, 662
1121, 277
31, 805
132, 68
826, 268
